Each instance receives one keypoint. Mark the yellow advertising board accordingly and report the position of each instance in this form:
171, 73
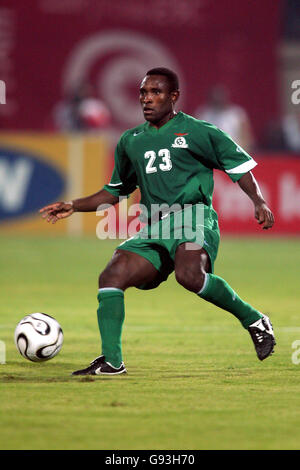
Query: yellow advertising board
37, 169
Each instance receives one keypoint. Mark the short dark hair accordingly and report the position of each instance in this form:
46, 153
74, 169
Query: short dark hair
171, 76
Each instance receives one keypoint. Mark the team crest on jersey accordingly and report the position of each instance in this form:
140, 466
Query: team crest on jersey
180, 142
239, 149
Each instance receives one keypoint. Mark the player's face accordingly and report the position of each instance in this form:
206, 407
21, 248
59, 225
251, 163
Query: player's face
156, 99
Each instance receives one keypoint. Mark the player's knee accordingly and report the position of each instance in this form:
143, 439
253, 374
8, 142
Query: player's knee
114, 275
111, 278
190, 279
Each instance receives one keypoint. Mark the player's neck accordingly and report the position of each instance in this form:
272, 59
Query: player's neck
164, 120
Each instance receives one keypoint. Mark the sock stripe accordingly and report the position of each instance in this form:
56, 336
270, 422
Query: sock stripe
206, 279
107, 289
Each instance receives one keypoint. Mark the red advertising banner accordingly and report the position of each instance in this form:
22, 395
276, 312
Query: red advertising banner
279, 179
50, 47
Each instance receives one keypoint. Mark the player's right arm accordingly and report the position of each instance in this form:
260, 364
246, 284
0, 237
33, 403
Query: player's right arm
61, 210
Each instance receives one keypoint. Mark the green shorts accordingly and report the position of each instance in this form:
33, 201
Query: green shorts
158, 242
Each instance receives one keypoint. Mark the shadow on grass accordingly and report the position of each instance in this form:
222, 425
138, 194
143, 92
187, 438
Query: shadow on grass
33, 379
27, 372
16, 378
30, 372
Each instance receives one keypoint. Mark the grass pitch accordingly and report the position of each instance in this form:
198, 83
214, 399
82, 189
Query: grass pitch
193, 380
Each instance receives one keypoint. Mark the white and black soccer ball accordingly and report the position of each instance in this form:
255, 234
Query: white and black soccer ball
38, 337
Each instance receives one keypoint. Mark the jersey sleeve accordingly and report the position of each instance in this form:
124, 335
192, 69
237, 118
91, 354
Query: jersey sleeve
123, 180
231, 158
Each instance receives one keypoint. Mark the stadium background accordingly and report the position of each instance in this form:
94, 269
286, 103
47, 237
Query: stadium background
90, 55
50, 49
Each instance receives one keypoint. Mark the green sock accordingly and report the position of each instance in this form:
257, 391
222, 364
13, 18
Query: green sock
111, 313
219, 293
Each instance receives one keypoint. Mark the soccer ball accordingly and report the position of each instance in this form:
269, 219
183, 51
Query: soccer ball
38, 337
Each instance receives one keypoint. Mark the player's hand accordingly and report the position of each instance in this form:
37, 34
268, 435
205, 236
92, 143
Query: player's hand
56, 211
264, 215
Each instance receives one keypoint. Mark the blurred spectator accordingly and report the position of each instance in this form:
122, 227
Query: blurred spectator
273, 138
227, 116
291, 20
81, 111
291, 130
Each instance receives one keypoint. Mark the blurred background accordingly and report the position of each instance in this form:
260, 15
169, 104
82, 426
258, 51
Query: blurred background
70, 72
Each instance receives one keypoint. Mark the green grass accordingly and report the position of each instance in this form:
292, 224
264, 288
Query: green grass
193, 380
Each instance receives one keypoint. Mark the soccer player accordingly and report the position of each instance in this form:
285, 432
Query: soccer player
170, 157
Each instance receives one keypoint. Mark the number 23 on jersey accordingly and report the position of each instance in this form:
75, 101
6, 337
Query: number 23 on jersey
164, 163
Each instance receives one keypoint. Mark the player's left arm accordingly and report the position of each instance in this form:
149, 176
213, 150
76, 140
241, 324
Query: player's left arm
237, 163
250, 186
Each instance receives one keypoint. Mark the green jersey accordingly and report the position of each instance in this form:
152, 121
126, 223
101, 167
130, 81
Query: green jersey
174, 164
